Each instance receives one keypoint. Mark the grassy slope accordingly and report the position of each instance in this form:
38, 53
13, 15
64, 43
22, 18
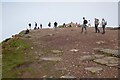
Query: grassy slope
13, 55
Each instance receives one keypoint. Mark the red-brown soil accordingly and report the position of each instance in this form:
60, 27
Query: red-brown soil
65, 39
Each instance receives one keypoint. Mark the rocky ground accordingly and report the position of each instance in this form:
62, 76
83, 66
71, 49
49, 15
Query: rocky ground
68, 53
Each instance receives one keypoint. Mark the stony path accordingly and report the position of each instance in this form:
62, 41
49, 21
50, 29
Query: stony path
66, 53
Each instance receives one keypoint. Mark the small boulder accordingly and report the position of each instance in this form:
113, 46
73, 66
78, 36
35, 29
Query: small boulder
27, 36
74, 50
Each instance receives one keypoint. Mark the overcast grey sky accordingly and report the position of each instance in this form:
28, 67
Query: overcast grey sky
59, 0
17, 15
0, 22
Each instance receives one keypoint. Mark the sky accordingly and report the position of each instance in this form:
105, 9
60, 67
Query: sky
0, 22
17, 14
59, 0
119, 13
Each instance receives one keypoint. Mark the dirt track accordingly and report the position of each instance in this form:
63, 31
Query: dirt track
65, 39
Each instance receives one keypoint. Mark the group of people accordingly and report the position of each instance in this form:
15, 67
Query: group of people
37, 27
96, 23
84, 26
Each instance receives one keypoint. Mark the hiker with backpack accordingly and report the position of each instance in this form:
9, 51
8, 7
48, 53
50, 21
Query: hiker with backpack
84, 24
103, 23
96, 25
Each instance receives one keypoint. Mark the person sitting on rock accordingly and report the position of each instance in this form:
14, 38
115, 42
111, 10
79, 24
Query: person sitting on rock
64, 25
38, 28
35, 28
70, 25
27, 31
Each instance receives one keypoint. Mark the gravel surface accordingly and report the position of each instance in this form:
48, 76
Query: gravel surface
72, 45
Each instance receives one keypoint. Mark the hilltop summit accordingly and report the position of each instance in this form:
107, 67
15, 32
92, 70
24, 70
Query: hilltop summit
61, 53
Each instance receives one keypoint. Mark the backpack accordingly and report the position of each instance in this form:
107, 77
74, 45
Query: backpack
86, 22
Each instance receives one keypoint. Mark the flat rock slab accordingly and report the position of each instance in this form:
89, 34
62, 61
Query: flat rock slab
27, 36
109, 61
51, 59
56, 51
67, 76
97, 49
110, 52
87, 57
93, 69
91, 57
60, 69
99, 55
112, 65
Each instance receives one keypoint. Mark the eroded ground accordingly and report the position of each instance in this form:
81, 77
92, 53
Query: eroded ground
68, 53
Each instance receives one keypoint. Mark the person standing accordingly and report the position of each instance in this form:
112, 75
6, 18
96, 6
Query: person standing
41, 26
84, 24
104, 23
55, 25
35, 26
29, 26
96, 25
